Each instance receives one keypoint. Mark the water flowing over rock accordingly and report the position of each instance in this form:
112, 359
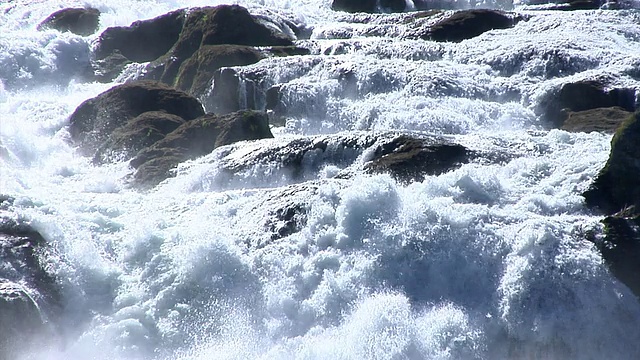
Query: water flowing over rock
80, 21
20, 320
93, 123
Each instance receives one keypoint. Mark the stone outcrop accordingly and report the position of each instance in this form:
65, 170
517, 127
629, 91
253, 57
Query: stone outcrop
80, 21
93, 123
196, 138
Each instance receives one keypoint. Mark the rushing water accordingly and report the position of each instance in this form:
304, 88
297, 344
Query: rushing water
489, 261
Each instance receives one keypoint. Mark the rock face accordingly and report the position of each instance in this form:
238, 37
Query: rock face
581, 96
605, 120
409, 158
95, 120
196, 138
79, 21
354, 5
616, 190
467, 24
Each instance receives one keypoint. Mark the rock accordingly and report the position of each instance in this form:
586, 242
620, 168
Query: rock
621, 247
94, 121
20, 320
197, 138
142, 131
466, 24
142, 41
393, 5
353, 6
196, 73
605, 120
79, 21
581, 96
409, 158
224, 24
617, 186
108, 69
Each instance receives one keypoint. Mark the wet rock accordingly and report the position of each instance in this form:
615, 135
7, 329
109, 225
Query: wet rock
410, 159
605, 120
621, 247
354, 5
224, 24
466, 24
80, 21
142, 41
196, 138
107, 69
581, 96
138, 133
617, 186
196, 73
93, 122
20, 320
231, 93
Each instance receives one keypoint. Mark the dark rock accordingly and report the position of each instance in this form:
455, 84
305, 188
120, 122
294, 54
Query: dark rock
93, 122
196, 138
466, 24
107, 69
409, 158
574, 5
224, 24
196, 73
581, 96
20, 320
281, 51
605, 120
617, 186
142, 131
621, 248
353, 6
286, 220
144, 40
230, 93
79, 21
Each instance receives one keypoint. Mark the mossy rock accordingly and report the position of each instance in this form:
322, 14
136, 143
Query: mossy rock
79, 21
617, 186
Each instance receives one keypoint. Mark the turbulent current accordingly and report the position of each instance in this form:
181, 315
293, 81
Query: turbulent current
491, 260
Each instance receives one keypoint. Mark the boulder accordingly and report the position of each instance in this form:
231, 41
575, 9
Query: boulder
581, 96
224, 24
617, 186
80, 21
142, 41
605, 120
197, 138
466, 24
409, 158
196, 73
94, 121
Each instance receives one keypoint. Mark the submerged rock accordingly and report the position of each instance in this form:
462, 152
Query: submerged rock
196, 138
93, 123
605, 120
80, 21
621, 247
466, 24
369, 6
